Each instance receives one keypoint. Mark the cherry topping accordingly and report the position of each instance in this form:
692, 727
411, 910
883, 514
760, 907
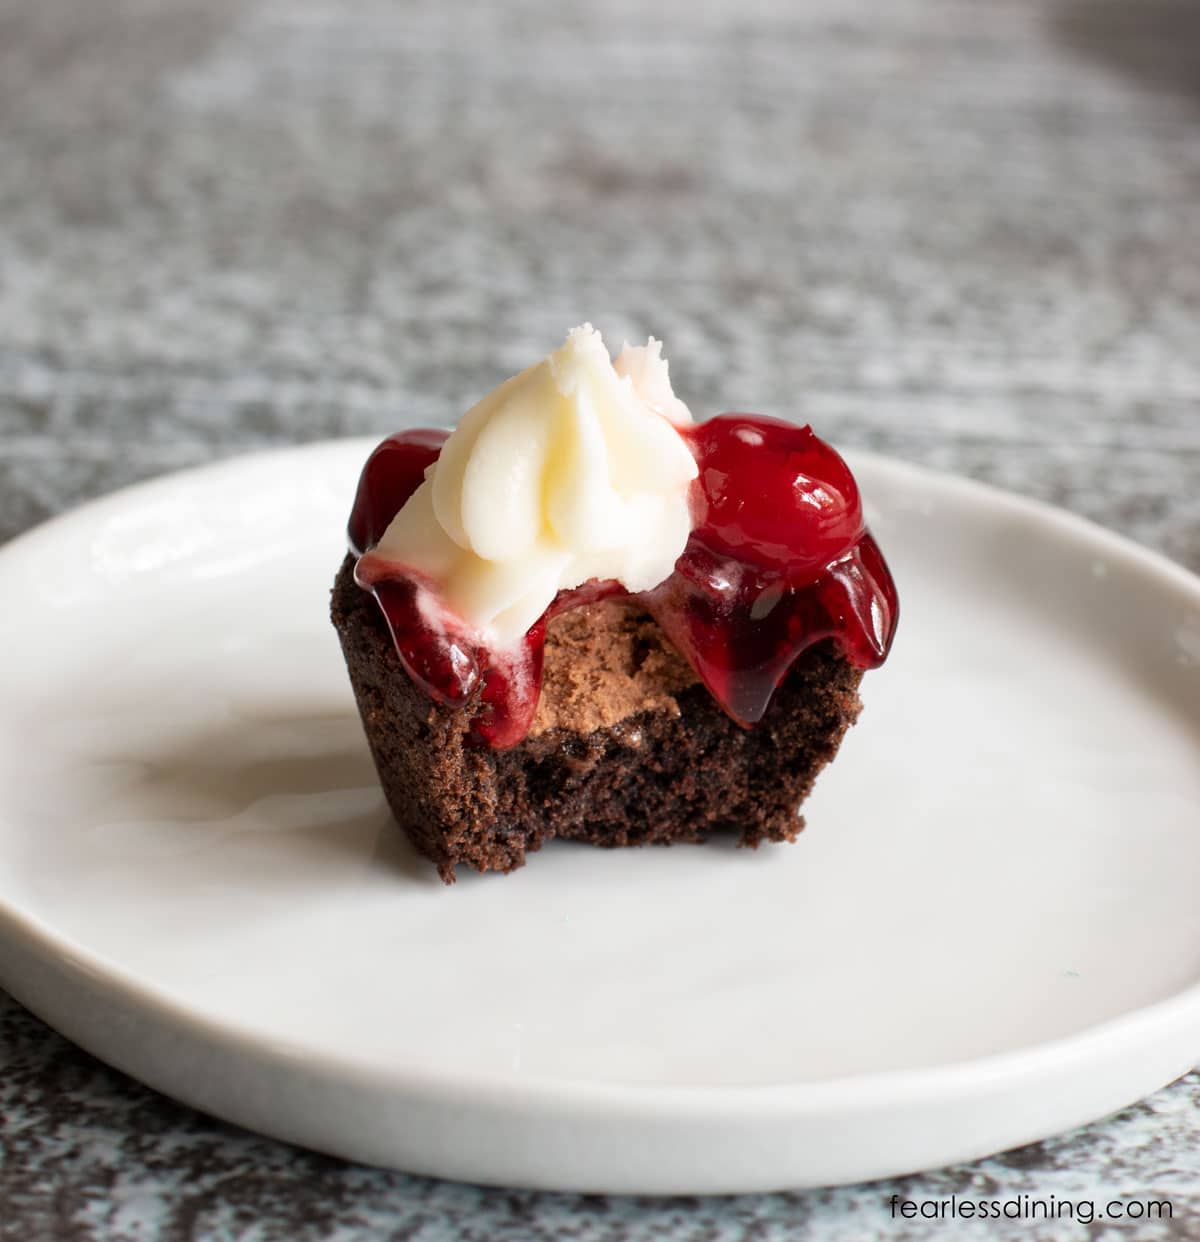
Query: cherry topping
773, 493
442, 658
511, 688
741, 626
392, 473
778, 559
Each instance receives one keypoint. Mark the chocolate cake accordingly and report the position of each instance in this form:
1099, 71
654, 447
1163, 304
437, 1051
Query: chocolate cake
583, 615
627, 747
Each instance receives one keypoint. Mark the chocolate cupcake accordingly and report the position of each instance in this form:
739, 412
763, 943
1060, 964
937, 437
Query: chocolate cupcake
582, 615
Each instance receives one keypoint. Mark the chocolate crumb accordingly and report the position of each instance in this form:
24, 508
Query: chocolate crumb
629, 750
603, 664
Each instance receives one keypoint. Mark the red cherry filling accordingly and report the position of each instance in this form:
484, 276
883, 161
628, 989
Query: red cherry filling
772, 493
741, 626
778, 559
392, 473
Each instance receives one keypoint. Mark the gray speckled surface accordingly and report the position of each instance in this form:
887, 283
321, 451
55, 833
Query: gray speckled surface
964, 234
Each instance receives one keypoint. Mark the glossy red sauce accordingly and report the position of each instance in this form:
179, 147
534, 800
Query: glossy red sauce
778, 559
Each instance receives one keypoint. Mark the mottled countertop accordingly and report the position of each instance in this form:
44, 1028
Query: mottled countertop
964, 234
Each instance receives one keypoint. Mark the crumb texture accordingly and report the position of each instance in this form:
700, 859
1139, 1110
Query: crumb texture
675, 769
605, 663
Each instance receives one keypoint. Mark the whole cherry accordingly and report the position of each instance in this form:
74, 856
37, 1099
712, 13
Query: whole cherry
772, 493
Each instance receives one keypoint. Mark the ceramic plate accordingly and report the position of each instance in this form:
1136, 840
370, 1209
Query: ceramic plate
989, 931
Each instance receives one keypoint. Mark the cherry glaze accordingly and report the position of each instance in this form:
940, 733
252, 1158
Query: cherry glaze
778, 559
393, 472
770, 492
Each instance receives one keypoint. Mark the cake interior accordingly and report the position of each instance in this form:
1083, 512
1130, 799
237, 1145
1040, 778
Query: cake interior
605, 663
627, 748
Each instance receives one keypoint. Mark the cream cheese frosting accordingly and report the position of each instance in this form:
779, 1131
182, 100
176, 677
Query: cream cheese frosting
570, 471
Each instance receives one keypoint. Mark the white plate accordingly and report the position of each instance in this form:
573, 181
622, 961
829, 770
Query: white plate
989, 932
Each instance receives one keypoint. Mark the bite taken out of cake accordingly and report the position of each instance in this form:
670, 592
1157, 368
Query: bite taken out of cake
581, 614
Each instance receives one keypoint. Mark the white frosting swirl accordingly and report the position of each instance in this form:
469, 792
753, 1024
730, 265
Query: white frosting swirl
569, 471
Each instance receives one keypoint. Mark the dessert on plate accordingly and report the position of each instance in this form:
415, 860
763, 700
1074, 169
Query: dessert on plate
583, 615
